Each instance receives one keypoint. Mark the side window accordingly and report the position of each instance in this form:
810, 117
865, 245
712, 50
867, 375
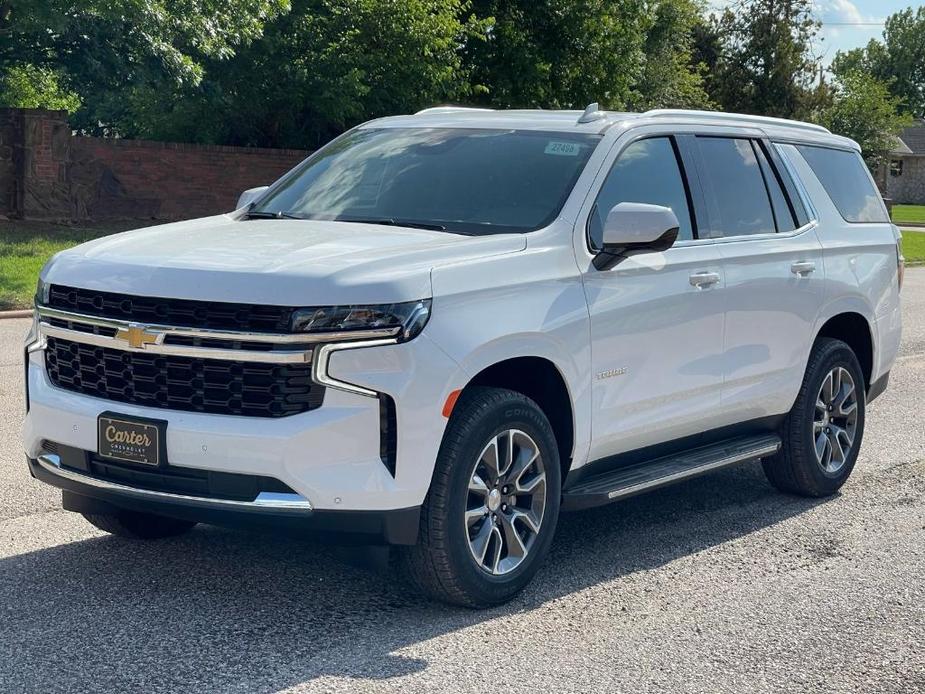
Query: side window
783, 215
647, 171
844, 176
737, 197
785, 176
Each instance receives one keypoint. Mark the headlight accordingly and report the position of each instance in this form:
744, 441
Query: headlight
409, 317
42, 290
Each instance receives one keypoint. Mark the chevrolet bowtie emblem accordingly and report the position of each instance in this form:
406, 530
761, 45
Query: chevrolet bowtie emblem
138, 336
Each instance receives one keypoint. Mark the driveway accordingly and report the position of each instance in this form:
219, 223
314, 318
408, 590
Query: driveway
719, 584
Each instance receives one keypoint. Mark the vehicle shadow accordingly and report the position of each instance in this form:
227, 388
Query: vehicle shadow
218, 610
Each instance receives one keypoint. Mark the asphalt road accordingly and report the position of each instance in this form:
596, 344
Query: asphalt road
716, 585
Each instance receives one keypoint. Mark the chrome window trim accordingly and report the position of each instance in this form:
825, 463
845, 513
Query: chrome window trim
812, 224
265, 501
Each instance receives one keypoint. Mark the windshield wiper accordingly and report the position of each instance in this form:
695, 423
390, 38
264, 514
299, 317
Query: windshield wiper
388, 221
272, 215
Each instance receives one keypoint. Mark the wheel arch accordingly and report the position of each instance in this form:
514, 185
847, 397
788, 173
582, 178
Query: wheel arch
542, 381
855, 330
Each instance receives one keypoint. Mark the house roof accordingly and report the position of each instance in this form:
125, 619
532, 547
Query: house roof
912, 139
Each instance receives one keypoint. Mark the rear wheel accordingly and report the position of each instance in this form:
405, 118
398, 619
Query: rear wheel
492, 508
139, 526
822, 434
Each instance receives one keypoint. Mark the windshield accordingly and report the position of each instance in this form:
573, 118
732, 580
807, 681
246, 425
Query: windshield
453, 179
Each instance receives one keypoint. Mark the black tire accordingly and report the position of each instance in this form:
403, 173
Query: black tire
796, 469
441, 565
134, 525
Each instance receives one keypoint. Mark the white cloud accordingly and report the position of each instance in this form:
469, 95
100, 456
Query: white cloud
839, 11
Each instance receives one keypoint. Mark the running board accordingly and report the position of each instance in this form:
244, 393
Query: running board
643, 477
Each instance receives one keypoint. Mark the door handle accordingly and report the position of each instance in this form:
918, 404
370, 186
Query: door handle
802, 267
704, 279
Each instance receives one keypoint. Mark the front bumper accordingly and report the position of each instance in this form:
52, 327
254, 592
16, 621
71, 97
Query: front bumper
85, 493
332, 456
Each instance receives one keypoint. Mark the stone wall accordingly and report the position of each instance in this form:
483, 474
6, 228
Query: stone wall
908, 189
46, 173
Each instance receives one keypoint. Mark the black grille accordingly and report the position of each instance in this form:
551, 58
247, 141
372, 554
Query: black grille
210, 315
182, 383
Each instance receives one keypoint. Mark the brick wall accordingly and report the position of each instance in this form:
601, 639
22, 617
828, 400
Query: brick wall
49, 174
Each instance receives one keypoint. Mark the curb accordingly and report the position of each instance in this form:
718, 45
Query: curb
22, 313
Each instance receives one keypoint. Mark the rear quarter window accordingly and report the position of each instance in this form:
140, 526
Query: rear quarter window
844, 176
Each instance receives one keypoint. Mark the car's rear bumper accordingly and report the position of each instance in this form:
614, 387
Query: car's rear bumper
85, 493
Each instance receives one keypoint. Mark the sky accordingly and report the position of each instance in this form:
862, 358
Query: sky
846, 24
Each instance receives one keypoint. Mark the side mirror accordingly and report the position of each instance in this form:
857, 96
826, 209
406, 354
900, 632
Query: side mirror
249, 195
634, 227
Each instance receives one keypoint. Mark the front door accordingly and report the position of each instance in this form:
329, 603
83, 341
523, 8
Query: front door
656, 318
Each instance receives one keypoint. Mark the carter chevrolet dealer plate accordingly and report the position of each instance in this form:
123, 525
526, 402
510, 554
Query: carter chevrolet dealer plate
132, 440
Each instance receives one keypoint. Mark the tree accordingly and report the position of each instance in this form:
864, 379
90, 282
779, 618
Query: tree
863, 109
100, 48
672, 74
557, 53
28, 86
765, 63
898, 60
324, 66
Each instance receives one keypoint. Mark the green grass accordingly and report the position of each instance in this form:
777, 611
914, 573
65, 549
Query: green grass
909, 214
914, 247
26, 246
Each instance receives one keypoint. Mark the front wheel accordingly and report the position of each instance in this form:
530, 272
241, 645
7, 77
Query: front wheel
822, 433
492, 508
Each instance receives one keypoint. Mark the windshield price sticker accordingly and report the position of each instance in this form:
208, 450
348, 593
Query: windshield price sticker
562, 149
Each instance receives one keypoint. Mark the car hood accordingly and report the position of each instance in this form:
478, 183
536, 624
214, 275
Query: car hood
277, 262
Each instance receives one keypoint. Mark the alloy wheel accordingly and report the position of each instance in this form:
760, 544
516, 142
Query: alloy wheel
506, 502
835, 420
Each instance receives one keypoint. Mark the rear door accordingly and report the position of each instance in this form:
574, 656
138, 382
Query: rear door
774, 274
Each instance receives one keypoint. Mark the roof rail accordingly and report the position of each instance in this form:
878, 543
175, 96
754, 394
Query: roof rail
450, 109
733, 117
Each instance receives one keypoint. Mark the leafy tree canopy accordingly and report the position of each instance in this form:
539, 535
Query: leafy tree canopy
898, 60
106, 41
322, 67
763, 61
863, 109
28, 86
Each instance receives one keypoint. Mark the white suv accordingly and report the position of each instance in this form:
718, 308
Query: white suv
442, 329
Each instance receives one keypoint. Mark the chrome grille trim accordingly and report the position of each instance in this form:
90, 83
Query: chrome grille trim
292, 355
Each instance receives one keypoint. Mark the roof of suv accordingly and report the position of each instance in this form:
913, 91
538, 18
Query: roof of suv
592, 120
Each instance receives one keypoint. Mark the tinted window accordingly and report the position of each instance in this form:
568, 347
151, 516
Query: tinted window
796, 203
844, 176
647, 171
734, 185
464, 180
783, 216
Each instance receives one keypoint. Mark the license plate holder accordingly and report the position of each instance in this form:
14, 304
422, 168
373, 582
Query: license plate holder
132, 439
